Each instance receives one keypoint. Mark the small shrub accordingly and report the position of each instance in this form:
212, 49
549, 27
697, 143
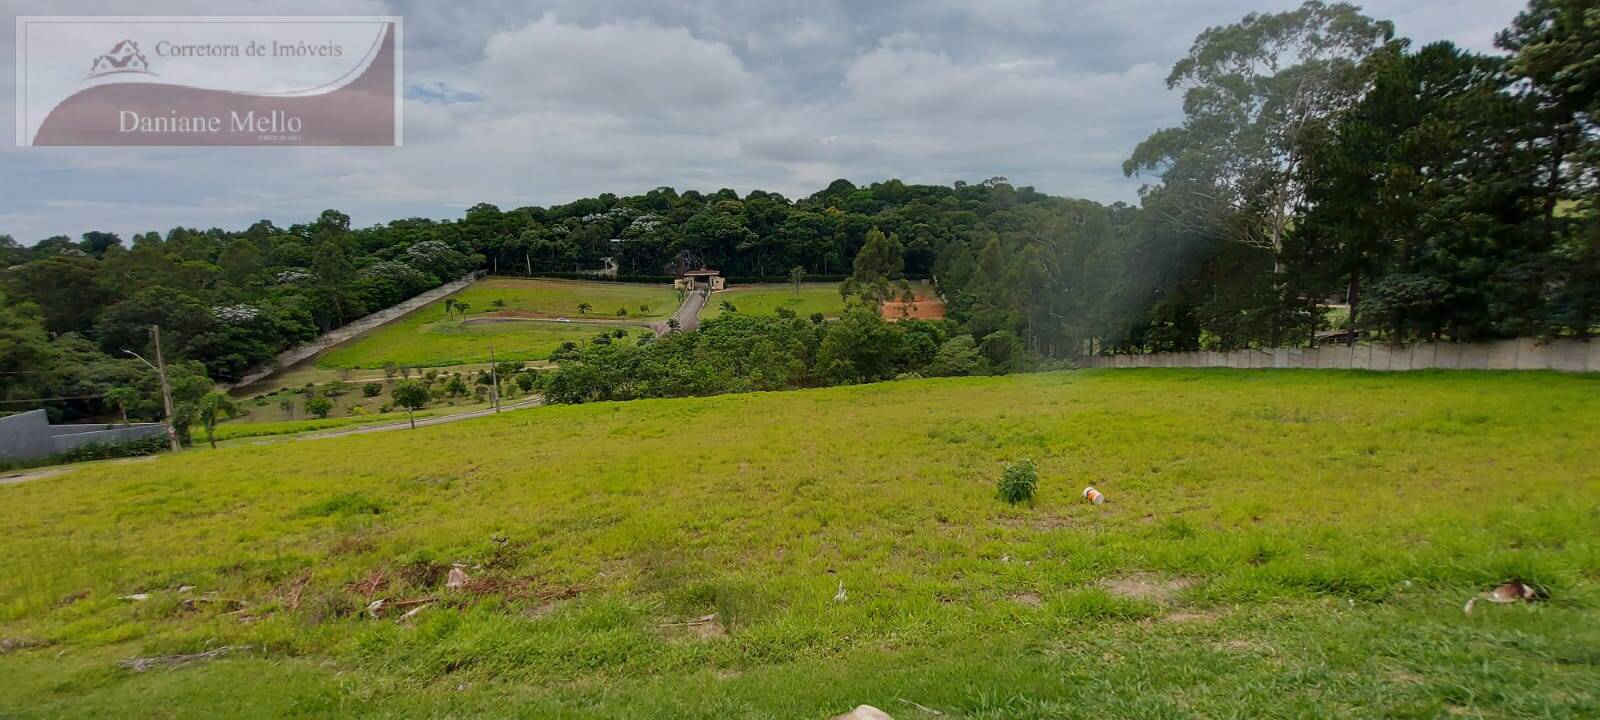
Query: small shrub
319, 406
372, 389
1018, 482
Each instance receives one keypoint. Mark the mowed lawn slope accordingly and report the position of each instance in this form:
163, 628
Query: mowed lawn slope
428, 338
765, 299
1276, 544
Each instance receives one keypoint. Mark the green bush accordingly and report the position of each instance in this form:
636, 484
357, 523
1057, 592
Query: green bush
372, 389
1018, 482
319, 406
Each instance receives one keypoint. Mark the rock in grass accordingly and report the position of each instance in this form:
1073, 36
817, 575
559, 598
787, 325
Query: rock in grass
458, 578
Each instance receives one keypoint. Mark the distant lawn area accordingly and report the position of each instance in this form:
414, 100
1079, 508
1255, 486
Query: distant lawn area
765, 299
417, 341
427, 338
561, 298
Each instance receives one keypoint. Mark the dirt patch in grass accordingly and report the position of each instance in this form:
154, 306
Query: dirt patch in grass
929, 308
705, 628
12, 644
1241, 645
1042, 523
1028, 599
1149, 588
1202, 617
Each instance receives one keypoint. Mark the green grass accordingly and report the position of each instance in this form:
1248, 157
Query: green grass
1326, 527
426, 338
766, 299
421, 340
560, 298
236, 430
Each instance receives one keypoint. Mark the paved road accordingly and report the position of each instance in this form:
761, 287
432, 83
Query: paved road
42, 473
424, 422
688, 315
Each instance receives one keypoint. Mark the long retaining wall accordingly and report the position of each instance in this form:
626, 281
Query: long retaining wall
1565, 355
29, 435
334, 337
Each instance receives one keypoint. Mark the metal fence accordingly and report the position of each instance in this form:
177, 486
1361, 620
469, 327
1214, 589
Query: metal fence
1565, 355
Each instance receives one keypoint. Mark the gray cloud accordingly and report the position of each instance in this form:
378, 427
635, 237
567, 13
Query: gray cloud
517, 103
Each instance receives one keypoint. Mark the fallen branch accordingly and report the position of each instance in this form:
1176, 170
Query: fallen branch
704, 620
298, 587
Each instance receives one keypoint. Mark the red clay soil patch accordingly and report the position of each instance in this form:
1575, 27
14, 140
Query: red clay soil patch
926, 306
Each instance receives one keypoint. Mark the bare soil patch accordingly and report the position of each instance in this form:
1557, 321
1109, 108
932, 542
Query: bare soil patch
1030, 599
1149, 588
709, 627
922, 308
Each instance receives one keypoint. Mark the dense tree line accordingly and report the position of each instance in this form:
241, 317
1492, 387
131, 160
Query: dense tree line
230, 301
1439, 193
72, 312
742, 353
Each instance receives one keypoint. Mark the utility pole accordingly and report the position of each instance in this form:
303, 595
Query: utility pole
529, 259
166, 390
160, 367
494, 380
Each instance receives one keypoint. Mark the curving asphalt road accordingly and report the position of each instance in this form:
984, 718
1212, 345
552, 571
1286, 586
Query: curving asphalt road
688, 315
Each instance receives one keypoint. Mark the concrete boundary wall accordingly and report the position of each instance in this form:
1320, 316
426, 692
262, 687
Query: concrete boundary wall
1565, 355
338, 335
29, 435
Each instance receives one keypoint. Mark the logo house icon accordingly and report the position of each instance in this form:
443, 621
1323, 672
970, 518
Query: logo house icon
123, 58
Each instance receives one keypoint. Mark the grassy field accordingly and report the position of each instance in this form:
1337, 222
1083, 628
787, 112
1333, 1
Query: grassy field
427, 338
416, 341
560, 298
766, 299
1276, 544
237, 430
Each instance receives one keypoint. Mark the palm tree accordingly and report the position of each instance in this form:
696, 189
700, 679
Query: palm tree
449, 304
728, 307
585, 308
214, 406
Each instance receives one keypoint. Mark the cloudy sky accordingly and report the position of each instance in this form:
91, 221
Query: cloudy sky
534, 103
